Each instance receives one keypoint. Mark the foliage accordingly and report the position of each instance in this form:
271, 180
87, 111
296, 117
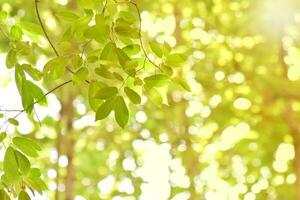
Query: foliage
210, 85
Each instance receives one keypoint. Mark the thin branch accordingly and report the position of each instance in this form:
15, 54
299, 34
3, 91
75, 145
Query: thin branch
140, 35
43, 27
140, 31
37, 101
37, 117
10, 110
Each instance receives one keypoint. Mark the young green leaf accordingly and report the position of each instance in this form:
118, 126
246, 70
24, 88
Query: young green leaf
31, 28
23, 196
156, 49
106, 92
105, 109
23, 163
55, 68
1, 115
16, 33
108, 52
67, 16
122, 57
19, 76
37, 93
13, 121
93, 89
27, 146
27, 98
157, 80
121, 111
2, 136
3, 16
10, 165
132, 95
34, 73
11, 58
176, 59
81, 75
102, 71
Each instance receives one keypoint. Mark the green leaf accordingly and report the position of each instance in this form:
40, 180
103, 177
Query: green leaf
132, 95
23, 163
67, 16
122, 57
2, 136
55, 68
158, 80
118, 76
10, 165
37, 93
81, 75
13, 121
34, 181
183, 83
156, 48
16, 33
27, 146
27, 98
34, 73
132, 49
121, 111
3, 16
102, 71
93, 89
23, 196
19, 76
31, 28
154, 96
1, 115
108, 52
4, 195
167, 70
105, 109
106, 92
11, 58
176, 59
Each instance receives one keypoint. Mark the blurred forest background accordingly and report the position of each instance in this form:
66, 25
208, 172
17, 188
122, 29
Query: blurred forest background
234, 136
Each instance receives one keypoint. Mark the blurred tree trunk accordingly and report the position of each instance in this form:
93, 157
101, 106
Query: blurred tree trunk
58, 149
292, 122
69, 145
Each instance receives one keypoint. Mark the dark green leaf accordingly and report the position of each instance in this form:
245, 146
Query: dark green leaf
13, 121
105, 109
23, 196
106, 92
2, 136
121, 111
4, 195
132, 95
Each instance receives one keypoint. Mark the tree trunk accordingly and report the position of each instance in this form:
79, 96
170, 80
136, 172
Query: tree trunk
70, 143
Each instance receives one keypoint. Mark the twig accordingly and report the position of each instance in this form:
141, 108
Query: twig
37, 117
43, 27
37, 101
140, 31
